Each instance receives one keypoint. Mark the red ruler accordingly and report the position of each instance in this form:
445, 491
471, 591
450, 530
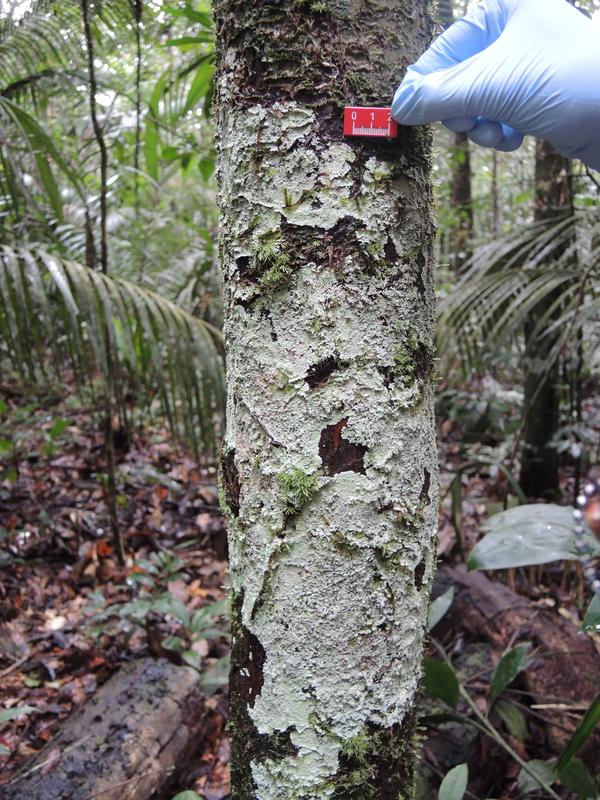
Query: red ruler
367, 121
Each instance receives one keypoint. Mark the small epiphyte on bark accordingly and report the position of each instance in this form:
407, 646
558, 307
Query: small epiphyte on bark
230, 481
298, 489
338, 454
378, 763
318, 374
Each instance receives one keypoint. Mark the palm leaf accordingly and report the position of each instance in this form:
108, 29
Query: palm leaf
51, 305
533, 273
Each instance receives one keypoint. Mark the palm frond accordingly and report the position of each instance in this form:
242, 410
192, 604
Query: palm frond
542, 275
57, 311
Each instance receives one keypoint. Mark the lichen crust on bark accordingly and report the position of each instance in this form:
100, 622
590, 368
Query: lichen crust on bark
326, 254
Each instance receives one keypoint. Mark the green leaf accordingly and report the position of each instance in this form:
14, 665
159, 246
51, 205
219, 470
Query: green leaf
216, 677
202, 17
13, 713
49, 184
543, 773
5, 446
59, 426
528, 535
509, 666
591, 621
576, 777
439, 680
454, 785
206, 167
513, 719
187, 795
185, 41
3, 406
581, 735
439, 607
151, 144
4, 751
200, 85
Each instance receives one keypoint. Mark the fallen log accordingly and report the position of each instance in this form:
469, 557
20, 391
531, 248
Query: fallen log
128, 742
564, 675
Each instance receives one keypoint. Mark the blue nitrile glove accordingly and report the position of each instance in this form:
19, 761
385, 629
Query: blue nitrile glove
509, 68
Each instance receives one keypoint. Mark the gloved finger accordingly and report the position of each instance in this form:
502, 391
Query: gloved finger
467, 36
460, 124
486, 133
511, 139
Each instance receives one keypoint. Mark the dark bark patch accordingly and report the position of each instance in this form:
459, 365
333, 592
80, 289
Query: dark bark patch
230, 480
246, 681
420, 283
388, 375
327, 248
265, 314
391, 254
378, 764
424, 496
338, 454
419, 575
318, 374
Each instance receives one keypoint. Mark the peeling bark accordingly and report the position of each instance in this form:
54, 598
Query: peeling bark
326, 248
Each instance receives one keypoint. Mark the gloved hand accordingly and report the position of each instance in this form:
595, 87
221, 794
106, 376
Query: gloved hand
509, 68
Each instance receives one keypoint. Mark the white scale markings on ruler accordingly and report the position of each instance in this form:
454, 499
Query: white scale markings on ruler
364, 131
370, 131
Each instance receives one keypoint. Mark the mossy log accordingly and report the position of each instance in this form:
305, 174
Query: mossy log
128, 742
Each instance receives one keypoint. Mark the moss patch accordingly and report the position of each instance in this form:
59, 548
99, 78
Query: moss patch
378, 763
412, 359
298, 489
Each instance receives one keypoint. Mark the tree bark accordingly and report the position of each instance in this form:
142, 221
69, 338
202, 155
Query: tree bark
329, 467
539, 459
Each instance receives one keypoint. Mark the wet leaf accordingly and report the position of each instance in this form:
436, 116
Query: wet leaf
439, 607
513, 719
591, 621
537, 533
454, 785
509, 666
439, 680
542, 770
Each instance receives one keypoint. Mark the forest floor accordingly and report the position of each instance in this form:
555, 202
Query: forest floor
59, 575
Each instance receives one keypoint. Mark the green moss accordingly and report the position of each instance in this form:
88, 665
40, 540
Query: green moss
412, 359
226, 511
273, 266
377, 763
318, 6
298, 489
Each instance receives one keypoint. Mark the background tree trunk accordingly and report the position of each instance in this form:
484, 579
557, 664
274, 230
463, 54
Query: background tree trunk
461, 200
329, 467
539, 459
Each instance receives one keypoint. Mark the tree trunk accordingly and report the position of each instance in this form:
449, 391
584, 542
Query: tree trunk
329, 468
539, 459
461, 200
